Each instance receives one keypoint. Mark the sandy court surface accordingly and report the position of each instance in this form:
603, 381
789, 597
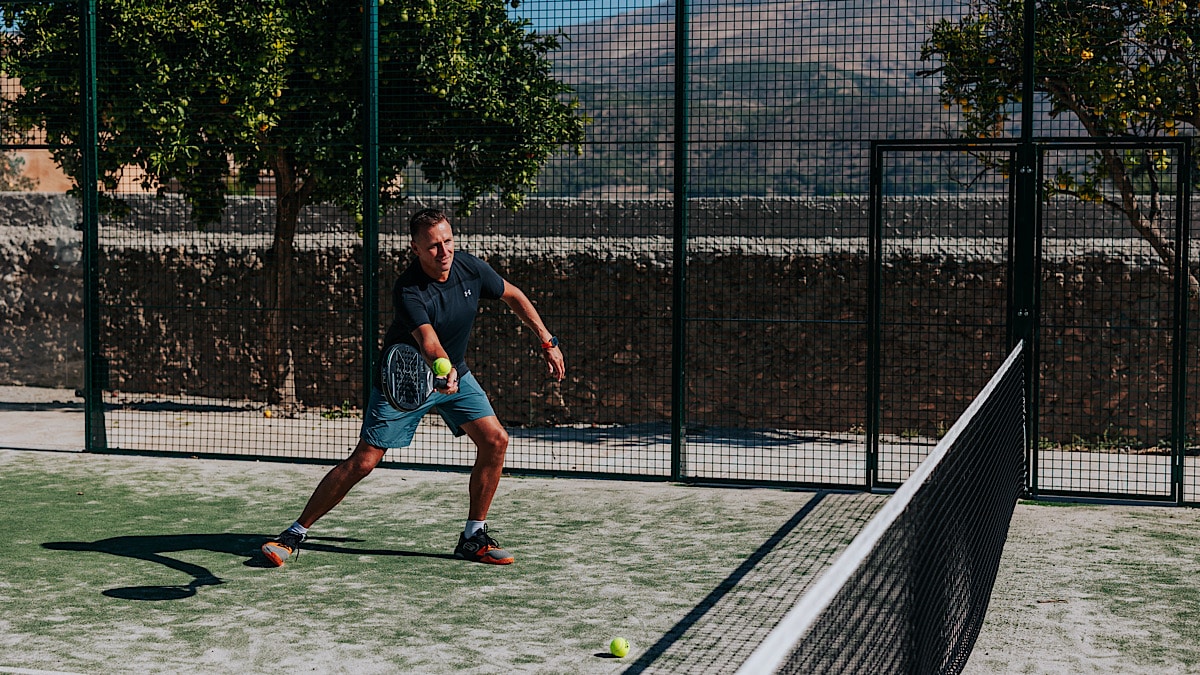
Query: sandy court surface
1083, 588
35, 418
1095, 588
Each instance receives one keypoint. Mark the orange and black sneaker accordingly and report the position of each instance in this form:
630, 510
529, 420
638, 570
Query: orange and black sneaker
280, 549
482, 548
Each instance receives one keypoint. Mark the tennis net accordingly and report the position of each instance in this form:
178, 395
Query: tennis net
910, 592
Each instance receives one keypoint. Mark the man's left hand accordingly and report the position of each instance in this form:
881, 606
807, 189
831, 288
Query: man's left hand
554, 360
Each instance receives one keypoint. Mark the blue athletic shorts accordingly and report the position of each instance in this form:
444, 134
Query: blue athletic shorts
385, 427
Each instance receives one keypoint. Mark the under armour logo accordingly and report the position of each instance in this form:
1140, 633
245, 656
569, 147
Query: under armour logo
467, 293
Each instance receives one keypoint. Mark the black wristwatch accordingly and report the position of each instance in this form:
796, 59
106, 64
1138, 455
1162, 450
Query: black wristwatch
551, 343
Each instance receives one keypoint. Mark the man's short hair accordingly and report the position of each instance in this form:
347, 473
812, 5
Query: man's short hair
425, 218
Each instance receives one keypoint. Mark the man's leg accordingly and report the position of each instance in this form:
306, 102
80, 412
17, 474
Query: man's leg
337, 483
328, 494
491, 441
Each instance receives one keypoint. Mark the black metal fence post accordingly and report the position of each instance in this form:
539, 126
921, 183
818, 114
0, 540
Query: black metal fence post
874, 308
1183, 299
93, 365
1024, 228
680, 223
370, 195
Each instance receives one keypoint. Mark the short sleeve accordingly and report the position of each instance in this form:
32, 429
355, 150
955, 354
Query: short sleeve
492, 283
410, 309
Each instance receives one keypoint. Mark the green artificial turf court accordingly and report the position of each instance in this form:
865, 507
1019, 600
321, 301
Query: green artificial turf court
148, 564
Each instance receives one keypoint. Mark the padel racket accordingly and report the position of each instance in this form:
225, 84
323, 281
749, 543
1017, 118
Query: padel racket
406, 378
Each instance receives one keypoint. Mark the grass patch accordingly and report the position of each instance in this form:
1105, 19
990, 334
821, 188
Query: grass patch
1051, 503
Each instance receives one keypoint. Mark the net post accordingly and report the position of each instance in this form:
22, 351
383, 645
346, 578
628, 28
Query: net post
94, 370
1024, 269
370, 195
1026, 186
1024, 283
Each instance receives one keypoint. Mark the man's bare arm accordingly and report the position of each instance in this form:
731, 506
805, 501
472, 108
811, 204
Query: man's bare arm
528, 314
431, 348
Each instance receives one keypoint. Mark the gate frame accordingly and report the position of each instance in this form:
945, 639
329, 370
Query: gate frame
878, 149
1178, 329
1024, 290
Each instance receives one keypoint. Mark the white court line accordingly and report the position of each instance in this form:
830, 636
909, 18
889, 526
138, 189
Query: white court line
29, 671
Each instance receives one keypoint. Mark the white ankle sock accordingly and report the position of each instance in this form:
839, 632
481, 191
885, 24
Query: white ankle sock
472, 527
298, 528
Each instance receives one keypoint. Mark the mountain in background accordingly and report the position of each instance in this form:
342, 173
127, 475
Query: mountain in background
784, 96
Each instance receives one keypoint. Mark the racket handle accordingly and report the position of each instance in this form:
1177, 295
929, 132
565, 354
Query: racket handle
440, 382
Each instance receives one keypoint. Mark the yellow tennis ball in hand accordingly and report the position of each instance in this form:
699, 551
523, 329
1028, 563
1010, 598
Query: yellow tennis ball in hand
619, 647
441, 367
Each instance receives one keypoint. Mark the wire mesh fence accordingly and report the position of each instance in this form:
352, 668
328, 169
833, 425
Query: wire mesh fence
228, 301
1111, 320
39, 244
943, 279
699, 237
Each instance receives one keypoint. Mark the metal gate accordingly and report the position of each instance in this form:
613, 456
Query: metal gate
940, 251
1102, 288
1111, 342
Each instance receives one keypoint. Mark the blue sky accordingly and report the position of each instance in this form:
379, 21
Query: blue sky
551, 14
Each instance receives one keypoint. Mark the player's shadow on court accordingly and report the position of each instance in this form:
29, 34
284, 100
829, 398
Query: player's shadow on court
154, 548
312, 544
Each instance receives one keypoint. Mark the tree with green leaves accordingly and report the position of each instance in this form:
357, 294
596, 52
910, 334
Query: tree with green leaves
1122, 69
12, 174
197, 94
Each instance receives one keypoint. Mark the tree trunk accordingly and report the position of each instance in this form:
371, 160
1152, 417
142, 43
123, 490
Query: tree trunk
1147, 224
1147, 221
291, 193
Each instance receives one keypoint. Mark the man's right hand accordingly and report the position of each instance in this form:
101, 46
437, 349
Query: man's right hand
451, 383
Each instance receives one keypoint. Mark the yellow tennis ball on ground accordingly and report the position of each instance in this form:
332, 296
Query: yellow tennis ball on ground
619, 647
441, 367
266, 413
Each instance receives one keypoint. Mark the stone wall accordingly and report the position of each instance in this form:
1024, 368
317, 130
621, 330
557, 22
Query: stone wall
41, 291
777, 330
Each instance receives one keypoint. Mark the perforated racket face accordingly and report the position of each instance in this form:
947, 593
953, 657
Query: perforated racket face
407, 380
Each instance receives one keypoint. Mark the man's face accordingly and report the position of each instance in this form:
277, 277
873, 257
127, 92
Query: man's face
434, 247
